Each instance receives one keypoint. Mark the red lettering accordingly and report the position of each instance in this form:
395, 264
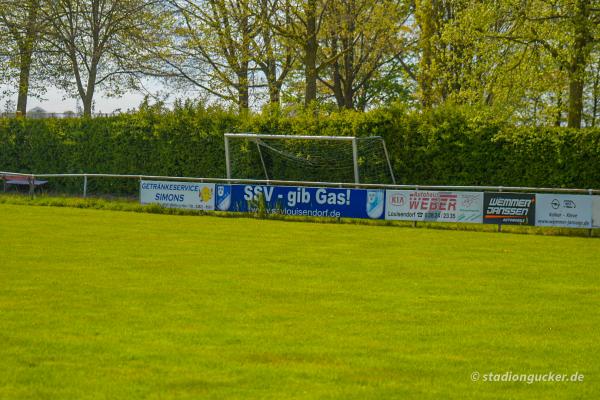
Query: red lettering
452, 205
442, 204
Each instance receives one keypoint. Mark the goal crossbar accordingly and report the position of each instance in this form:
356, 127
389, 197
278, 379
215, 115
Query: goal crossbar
302, 137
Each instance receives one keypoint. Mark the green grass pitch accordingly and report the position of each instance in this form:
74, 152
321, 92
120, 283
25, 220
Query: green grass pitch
114, 305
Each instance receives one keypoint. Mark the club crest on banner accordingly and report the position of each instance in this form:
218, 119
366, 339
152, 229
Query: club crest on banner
223, 197
375, 203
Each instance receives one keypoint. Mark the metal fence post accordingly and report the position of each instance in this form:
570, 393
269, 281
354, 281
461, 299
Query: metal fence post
590, 231
85, 185
227, 161
500, 224
31, 186
355, 160
414, 224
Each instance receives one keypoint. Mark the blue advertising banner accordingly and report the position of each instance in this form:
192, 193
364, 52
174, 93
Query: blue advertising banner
302, 201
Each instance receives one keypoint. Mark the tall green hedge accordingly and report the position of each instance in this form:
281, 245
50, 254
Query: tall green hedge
444, 146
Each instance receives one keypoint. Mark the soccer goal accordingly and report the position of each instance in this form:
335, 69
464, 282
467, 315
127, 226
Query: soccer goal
340, 159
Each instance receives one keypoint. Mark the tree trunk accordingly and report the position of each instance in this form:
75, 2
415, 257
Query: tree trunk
88, 97
269, 66
243, 92
595, 94
88, 102
310, 53
270, 72
24, 82
26, 49
575, 101
425, 18
349, 80
274, 97
558, 119
337, 85
338, 92
578, 64
349, 72
243, 80
274, 87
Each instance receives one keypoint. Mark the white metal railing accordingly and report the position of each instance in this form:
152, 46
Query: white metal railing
488, 188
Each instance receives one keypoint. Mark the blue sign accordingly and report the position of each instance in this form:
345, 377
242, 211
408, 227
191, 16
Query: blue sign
302, 201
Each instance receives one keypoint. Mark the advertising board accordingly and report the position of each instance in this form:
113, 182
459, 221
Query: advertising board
509, 208
173, 194
563, 210
596, 211
302, 201
424, 205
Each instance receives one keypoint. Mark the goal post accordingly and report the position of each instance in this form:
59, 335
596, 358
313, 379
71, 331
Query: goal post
293, 150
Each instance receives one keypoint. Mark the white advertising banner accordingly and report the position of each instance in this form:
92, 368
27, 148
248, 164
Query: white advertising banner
433, 206
193, 195
596, 211
563, 210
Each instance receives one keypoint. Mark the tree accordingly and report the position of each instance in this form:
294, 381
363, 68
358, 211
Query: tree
21, 23
567, 32
446, 60
301, 30
212, 47
593, 103
428, 24
271, 52
101, 43
510, 54
363, 40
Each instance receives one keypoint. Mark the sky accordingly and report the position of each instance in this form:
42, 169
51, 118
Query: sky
55, 103
54, 100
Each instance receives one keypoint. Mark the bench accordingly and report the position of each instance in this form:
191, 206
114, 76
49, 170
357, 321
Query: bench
21, 180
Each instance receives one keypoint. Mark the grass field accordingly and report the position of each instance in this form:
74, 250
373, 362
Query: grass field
114, 305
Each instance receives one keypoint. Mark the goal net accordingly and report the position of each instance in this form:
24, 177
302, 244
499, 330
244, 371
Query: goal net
342, 159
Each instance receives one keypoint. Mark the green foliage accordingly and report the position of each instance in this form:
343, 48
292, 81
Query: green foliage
448, 145
185, 142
